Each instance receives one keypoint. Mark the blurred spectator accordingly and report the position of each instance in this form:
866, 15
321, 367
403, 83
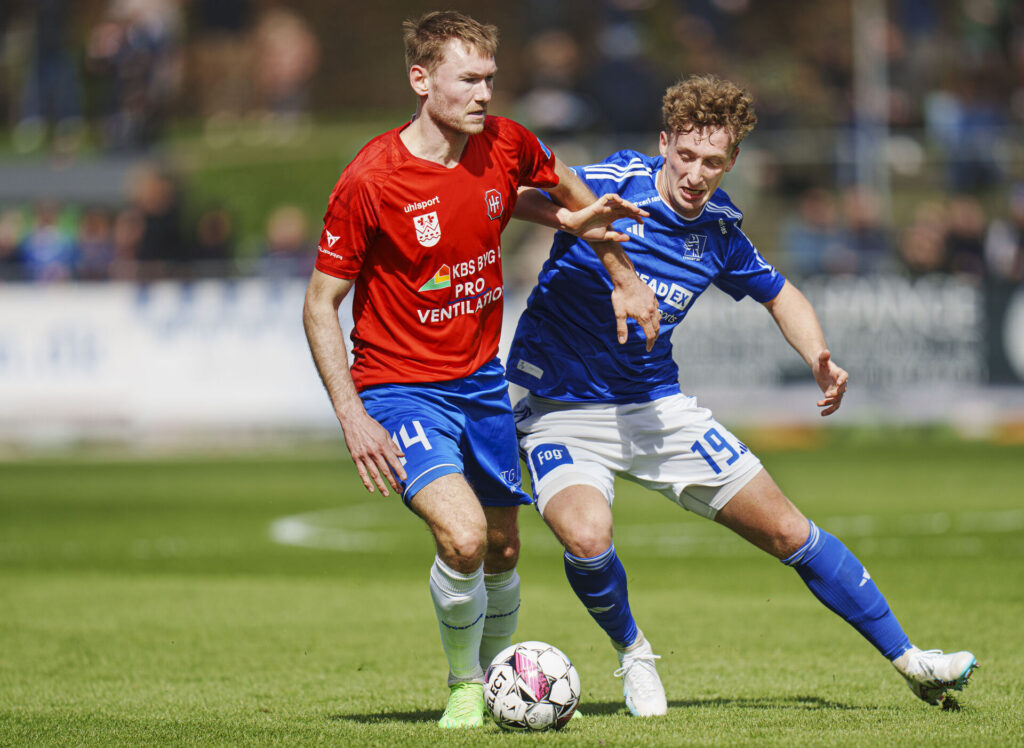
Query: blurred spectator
213, 247
48, 254
865, 234
223, 57
128, 230
624, 84
95, 245
923, 245
51, 99
290, 249
812, 240
287, 55
10, 240
554, 106
965, 235
154, 194
1004, 241
966, 121
134, 52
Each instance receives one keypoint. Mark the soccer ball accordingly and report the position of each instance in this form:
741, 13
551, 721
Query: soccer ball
531, 686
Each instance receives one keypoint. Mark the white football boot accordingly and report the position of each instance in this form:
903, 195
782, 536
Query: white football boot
641, 686
931, 673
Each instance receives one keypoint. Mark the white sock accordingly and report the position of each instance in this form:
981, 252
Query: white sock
502, 614
460, 601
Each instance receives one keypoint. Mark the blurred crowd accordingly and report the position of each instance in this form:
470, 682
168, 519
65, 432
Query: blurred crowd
845, 235
942, 80
118, 72
146, 239
130, 66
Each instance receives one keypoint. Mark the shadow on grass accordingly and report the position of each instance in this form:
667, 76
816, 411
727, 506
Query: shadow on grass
423, 715
805, 703
602, 708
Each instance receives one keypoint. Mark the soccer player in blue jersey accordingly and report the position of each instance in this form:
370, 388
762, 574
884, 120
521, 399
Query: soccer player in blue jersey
596, 409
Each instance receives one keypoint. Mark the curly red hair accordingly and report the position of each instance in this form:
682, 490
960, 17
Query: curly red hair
707, 101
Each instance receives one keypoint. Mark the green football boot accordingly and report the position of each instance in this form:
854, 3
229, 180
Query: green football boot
465, 706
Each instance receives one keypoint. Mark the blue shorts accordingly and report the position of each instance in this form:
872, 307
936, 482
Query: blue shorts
460, 426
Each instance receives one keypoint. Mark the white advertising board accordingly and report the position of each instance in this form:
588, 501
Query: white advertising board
123, 360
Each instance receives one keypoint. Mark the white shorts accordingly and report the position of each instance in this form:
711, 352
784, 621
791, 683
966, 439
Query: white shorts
670, 445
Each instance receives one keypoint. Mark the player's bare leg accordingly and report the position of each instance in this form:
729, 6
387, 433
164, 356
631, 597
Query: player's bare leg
500, 580
761, 514
581, 519
457, 521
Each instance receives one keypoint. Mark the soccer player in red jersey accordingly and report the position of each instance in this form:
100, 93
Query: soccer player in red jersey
414, 226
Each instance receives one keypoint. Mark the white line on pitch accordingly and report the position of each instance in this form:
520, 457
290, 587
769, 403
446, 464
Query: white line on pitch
357, 528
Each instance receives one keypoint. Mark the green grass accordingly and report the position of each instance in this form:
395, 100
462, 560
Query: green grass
143, 602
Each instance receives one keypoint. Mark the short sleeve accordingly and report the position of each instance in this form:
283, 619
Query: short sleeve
350, 225
747, 273
536, 161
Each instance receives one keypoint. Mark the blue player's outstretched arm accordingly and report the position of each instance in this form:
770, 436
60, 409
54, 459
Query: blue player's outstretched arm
572, 204
799, 324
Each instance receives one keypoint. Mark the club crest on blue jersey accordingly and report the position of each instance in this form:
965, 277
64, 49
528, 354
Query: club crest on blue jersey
546, 457
693, 246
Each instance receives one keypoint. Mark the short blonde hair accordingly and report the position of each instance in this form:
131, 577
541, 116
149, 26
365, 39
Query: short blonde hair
707, 101
425, 38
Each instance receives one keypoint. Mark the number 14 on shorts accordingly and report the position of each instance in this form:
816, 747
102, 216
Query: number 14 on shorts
419, 437
714, 442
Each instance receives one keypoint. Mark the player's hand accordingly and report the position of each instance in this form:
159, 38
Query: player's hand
377, 457
593, 222
636, 300
832, 381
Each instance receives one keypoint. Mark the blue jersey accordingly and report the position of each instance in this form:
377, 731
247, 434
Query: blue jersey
566, 347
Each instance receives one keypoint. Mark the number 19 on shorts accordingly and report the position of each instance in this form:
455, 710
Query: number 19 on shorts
715, 448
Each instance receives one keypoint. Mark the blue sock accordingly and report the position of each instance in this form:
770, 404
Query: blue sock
600, 584
843, 585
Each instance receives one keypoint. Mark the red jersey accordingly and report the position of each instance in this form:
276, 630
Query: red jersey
423, 245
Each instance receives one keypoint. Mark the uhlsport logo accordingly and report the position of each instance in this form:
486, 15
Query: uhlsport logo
495, 205
693, 246
428, 229
442, 279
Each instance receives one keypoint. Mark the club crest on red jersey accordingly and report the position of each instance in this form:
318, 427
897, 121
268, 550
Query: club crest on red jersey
428, 229
495, 204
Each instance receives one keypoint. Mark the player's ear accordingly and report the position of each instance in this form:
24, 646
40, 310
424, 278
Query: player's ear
663, 143
419, 79
735, 153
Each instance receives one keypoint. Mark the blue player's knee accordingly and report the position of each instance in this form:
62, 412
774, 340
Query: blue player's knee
789, 535
586, 542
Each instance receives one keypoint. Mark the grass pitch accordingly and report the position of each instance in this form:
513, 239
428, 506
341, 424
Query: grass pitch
269, 601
